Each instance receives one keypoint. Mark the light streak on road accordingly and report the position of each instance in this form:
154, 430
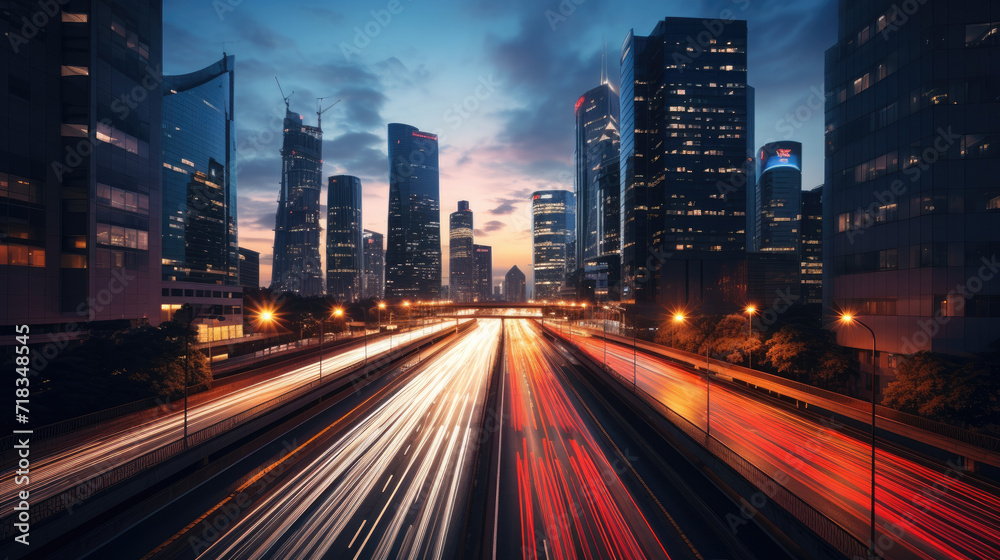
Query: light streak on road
570, 501
933, 514
391, 486
78, 461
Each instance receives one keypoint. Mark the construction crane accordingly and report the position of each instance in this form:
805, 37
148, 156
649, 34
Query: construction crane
283, 96
320, 110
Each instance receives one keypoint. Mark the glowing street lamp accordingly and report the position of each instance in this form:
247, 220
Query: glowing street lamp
750, 310
847, 319
680, 318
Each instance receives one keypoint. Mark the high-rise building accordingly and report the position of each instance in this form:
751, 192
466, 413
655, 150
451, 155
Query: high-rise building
374, 261
811, 254
779, 198
686, 147
911, 201
462, 264
496, 292
552, 231
483, 272
514, 286
200, 248
596, 183
413, 247
296, 266
80, 201
344, 239
249, 268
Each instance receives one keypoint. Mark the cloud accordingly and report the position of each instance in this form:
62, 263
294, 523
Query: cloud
357, 153
490, 227
505, 207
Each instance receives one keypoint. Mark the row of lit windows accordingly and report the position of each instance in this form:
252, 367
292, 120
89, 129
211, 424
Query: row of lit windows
117, 236
19, 188
122, 199
21, 255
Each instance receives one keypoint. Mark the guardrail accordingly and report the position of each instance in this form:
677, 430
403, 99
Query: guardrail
105, 479
818, 522
823, 398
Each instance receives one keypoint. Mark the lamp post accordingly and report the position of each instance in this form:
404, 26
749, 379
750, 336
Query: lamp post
190, 314
680, 318
750, 310
848, 319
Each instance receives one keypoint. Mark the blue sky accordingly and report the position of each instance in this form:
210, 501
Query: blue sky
495, 80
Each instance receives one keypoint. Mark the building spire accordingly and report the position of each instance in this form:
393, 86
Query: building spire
604, 61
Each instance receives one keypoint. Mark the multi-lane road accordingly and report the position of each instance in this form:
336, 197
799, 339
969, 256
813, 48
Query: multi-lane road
395, 484
560, 496
922, 511
78, 461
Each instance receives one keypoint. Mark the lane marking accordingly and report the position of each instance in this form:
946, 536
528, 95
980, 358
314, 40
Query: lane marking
358, 533
386, 485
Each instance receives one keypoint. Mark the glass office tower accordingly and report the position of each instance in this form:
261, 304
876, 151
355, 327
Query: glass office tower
374, 263
911, 202
413, 247
552, 234
514, 286
200, 248
812, 247
779, 188
80, 168
484, 272
686, 146
344, 239
596, 183
462, 264
296, 266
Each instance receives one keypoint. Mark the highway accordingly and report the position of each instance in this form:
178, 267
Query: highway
395, 484
922, 512
77, 462
558, 495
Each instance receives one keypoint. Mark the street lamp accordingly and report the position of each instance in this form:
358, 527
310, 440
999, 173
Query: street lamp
750, 310
680, 318
847, 319
191, 315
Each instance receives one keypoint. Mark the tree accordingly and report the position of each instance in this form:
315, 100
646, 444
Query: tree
732, 339
810, 355
936, 387
682, 335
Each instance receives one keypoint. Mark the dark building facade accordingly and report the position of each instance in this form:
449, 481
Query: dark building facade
344, 239
911, 204
374, 262
200, 250
249, 268
596, 183
811, 253
779, 198
80, 168
462, 261
483, 284
686, 147
552, 233
297, 267
413, 244
514, 285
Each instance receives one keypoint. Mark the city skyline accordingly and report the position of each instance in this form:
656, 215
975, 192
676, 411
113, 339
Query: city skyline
518, 137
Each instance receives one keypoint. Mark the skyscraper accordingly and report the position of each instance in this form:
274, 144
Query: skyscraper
80, 181
552, 233
413, 248
374, 261
200, 249
514, 286
911, 202
249, 268
482, 286
779, 188
596, 183
344, 239
686, 145
462, 264
296, 266
811, 254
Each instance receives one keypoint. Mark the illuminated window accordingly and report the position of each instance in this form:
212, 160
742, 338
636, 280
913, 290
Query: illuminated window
75, 71
68, 17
